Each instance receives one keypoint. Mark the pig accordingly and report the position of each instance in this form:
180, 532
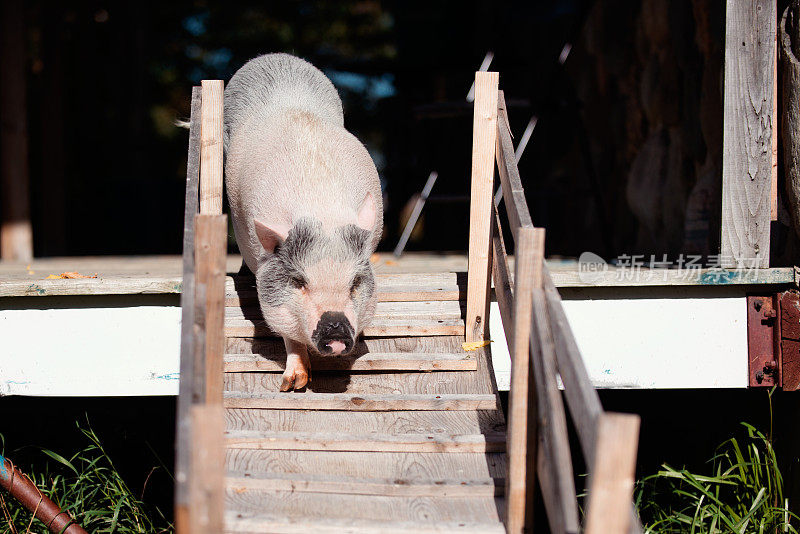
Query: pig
306, 205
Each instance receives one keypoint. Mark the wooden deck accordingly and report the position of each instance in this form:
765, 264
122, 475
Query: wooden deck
407, 435
440, 275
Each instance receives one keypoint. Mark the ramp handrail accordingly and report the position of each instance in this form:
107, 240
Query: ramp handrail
200, 454
542, 348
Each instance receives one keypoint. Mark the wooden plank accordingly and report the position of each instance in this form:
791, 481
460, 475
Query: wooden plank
359, 464
192, 200
570, 276
405, 281
408, 345
139, 279
399, 383
513, 192
433, 292
278, 524
518, 399
390, 487
211, 147
206, 480
339, 441
484, 134
385, 293
582, 399
129, 285
502, 279
393, 361
773, 193
249, 297
378, 328
399, 422
199, 391
748, 128
210, 248
366, 403
423, 511
611, 482
182, 456
383, 310
553, 462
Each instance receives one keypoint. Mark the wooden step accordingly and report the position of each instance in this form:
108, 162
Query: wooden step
373, 383
391, 487
339, 441
373, 361
241, 327
383, 310
394, 422
367, 403
398, 287
409, 345
359, 464
321, 512
245, 523
390, 293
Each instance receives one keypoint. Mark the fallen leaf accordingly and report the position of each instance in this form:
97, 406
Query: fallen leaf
70, 275
474, 345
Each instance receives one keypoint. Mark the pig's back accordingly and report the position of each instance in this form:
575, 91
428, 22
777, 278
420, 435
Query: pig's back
272, 82
288, 154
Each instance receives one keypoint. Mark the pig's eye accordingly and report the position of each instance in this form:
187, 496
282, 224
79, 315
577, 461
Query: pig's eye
356, 282
298, 282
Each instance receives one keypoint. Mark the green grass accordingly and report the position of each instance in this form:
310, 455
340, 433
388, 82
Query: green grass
742, 492
88, 486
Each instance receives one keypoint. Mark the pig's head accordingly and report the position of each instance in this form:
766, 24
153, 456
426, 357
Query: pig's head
317, 286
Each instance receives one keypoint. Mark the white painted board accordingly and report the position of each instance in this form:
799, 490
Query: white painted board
125, 351
651, 343
129, 351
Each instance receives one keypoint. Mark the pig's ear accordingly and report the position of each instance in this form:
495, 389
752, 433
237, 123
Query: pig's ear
366, 213
271, 236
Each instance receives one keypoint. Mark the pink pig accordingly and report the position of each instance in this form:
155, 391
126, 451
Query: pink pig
306, 205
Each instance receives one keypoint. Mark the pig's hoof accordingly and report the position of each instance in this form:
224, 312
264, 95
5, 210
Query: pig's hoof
294, 378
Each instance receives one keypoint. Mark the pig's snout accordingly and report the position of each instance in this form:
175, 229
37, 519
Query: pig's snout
334, 334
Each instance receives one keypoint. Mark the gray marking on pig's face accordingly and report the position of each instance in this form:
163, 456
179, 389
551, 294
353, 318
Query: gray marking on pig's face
313, 272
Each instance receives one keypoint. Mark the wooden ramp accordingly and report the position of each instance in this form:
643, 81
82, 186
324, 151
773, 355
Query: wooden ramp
407, 434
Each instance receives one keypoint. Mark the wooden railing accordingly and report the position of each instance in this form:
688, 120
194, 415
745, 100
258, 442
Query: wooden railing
542, 348
200, 454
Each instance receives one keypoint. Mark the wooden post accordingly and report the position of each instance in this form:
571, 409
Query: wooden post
773, 194
210, 244
611, 484
211, 151
207, 483
187, 377
521, 427
484, 135
16, 235
748, 127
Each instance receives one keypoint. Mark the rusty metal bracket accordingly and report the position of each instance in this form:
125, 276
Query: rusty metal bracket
773, 340
763, 363
789, 339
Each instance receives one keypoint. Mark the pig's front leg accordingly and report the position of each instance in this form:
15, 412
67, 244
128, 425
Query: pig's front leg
297, 370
